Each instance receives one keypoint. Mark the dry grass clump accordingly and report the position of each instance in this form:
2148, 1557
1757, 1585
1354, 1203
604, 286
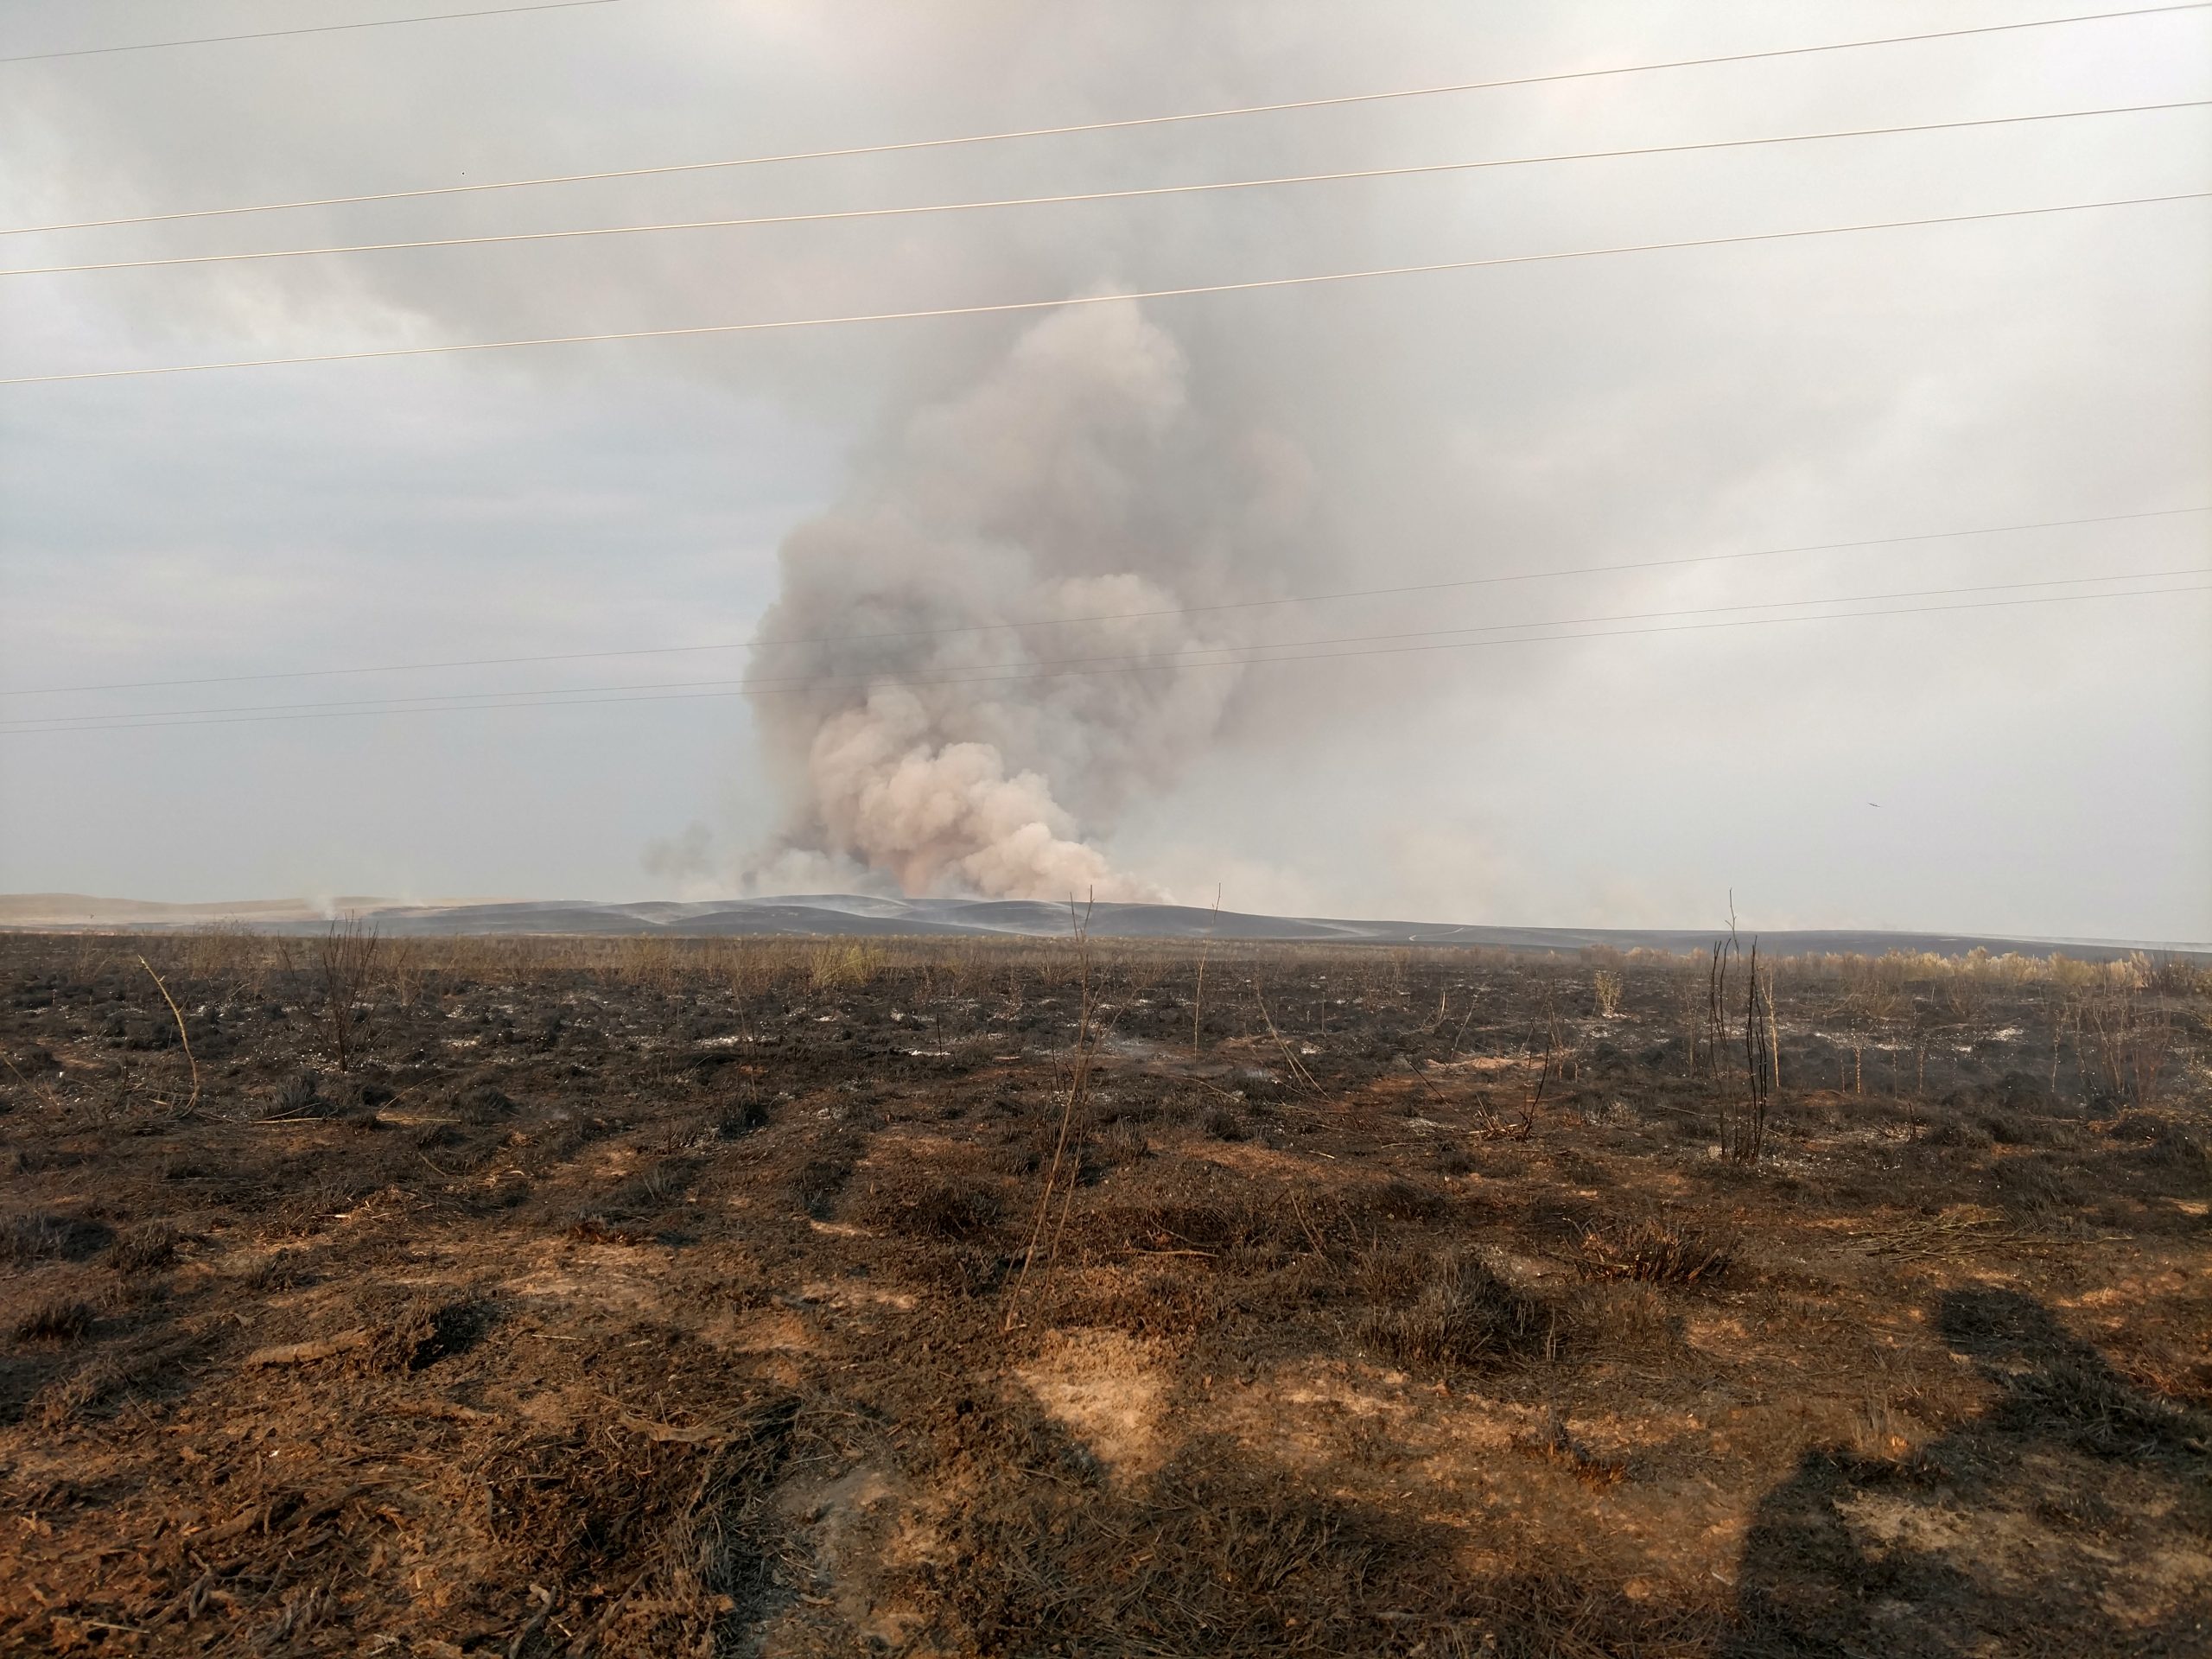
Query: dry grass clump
56, 1318
2078, 1399
282, 1269
421, 1333
1459, 1313
143, 1248
2037, 1184
1147, 1299
482, 1104
1121, 1142
817, 1182
31, 1239
299, 1095
1222, 1124
648, 1536
1390, 1274
928, 1206
592, 1229
1657, 1250
1205, 1223
840, 964
653, 962
227, 953
1210, 1556
109, 1376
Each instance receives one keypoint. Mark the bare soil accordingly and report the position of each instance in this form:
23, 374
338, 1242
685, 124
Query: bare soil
917, 1300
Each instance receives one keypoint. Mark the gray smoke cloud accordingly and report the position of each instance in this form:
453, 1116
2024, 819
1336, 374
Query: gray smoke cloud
988, 734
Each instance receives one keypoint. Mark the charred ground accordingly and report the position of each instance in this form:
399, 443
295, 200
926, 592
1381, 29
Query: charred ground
652, 1297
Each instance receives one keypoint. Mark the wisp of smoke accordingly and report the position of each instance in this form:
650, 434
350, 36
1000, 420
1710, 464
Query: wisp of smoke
954, 730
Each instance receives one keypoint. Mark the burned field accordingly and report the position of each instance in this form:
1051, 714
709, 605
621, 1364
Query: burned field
666, 1297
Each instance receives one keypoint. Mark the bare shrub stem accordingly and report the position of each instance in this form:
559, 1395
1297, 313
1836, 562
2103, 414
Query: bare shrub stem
181, 1035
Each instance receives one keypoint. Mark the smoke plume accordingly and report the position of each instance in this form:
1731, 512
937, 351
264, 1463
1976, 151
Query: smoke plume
977, 665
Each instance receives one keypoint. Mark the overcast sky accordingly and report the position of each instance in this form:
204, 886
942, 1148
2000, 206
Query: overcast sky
2039, 768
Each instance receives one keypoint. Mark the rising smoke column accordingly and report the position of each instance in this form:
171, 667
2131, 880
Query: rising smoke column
1076, 481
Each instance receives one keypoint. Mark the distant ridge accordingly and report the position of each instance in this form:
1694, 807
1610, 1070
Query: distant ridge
866, 915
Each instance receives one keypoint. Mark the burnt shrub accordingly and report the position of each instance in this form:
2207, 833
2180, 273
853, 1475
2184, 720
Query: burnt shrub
817, 1182
417, 1334
740, 1118
928, 1206
1121, 1141
1657, 1250
1460, 1314
2037, 1184
483, 1104
649, 1192
1222, 1123
300, 1095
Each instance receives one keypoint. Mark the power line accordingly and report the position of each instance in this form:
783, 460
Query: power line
1068, 197
317, 29
1123, 124
1387, 650
1114, 616
1189, 656
1006, 306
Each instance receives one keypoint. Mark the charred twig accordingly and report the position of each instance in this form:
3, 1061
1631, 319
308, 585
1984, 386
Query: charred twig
1460, 1035
588, 1638
1297, 1067
1078, 1083
1742, 1130
1067, 1192
545, 1599
1313, 1237
181, 1035
1492, 1126
307, 1353
1198, 995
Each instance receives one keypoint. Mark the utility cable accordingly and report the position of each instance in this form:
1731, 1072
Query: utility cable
1008, 306
1067, 197
1080, 673
1123, 124
1112, 616
1190, 656
316, 28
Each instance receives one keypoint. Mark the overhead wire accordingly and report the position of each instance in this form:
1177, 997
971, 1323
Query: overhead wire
564, 697
1065, 198
1124, 123
1189, 657
1397, 591
1069, 302
314, 28
1383, 651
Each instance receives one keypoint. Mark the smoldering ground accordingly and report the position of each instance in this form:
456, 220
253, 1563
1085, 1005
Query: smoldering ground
665, 1296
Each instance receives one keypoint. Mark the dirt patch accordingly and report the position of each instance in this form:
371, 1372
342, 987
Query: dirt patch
1107, 1389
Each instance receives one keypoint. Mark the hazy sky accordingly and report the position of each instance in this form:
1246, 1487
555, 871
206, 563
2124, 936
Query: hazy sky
2043, 768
